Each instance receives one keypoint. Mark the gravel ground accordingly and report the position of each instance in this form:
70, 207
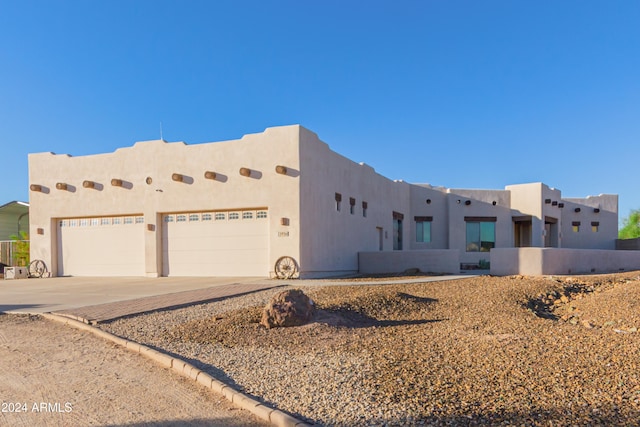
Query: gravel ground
477, 351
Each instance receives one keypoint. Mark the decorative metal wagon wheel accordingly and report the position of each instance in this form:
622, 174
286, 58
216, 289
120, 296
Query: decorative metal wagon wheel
286, 267
37, 268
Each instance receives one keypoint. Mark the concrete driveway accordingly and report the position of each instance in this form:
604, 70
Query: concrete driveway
63, 293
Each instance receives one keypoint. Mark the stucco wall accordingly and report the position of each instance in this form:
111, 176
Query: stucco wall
428, 261
331, 238
542, 261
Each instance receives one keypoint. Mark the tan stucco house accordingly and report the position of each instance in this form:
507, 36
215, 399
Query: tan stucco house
235, 208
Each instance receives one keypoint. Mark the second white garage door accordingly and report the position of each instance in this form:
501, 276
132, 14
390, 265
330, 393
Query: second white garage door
230, 243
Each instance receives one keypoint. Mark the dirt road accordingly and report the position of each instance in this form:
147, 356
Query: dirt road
53, 375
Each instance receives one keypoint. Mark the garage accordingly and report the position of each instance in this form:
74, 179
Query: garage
101, 246
216, 243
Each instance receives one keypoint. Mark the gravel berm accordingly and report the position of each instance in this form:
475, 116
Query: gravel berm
480, 351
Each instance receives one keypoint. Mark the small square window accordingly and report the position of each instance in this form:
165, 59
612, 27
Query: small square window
234, 215
261, 214
64, 223
84, 222
595, 226
247, 215
194, 217
575, 226
105, 221
181, 218
220, 216
206, 217
94, 221
117, 221
139, 220
168, 218
128, 220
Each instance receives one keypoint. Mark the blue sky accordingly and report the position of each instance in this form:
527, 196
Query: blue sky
463, 94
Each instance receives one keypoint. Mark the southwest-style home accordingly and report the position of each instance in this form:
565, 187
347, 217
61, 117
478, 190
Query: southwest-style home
282, 199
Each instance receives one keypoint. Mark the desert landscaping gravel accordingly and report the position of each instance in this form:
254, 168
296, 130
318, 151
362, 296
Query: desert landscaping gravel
479, 351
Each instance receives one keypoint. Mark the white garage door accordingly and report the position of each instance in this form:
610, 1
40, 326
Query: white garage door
105, 246
231, 243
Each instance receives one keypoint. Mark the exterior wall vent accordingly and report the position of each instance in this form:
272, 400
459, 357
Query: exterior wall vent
576, 210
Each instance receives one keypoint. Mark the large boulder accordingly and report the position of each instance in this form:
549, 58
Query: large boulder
287, 308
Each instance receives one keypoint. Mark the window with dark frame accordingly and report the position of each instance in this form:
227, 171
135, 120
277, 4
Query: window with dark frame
423, 229
480, 234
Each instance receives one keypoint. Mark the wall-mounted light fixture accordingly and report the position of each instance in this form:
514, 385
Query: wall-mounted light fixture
40, 231
245, 172
151, 227
36, 187
282, 170
210, 175
116, 182
88, 184
284, 221
62, 186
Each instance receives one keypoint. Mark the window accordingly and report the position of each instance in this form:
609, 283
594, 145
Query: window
128, 220
352, 205
261, 214
234, 215
168, 218
84, 222
181, 218
338, 200
94, 221
423, 229
139, 220
247, 215
220, 216
105, 221
194, 217
481, 233
117, 221
206, 217
575, 226
595, 225
364, 209
64, 223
